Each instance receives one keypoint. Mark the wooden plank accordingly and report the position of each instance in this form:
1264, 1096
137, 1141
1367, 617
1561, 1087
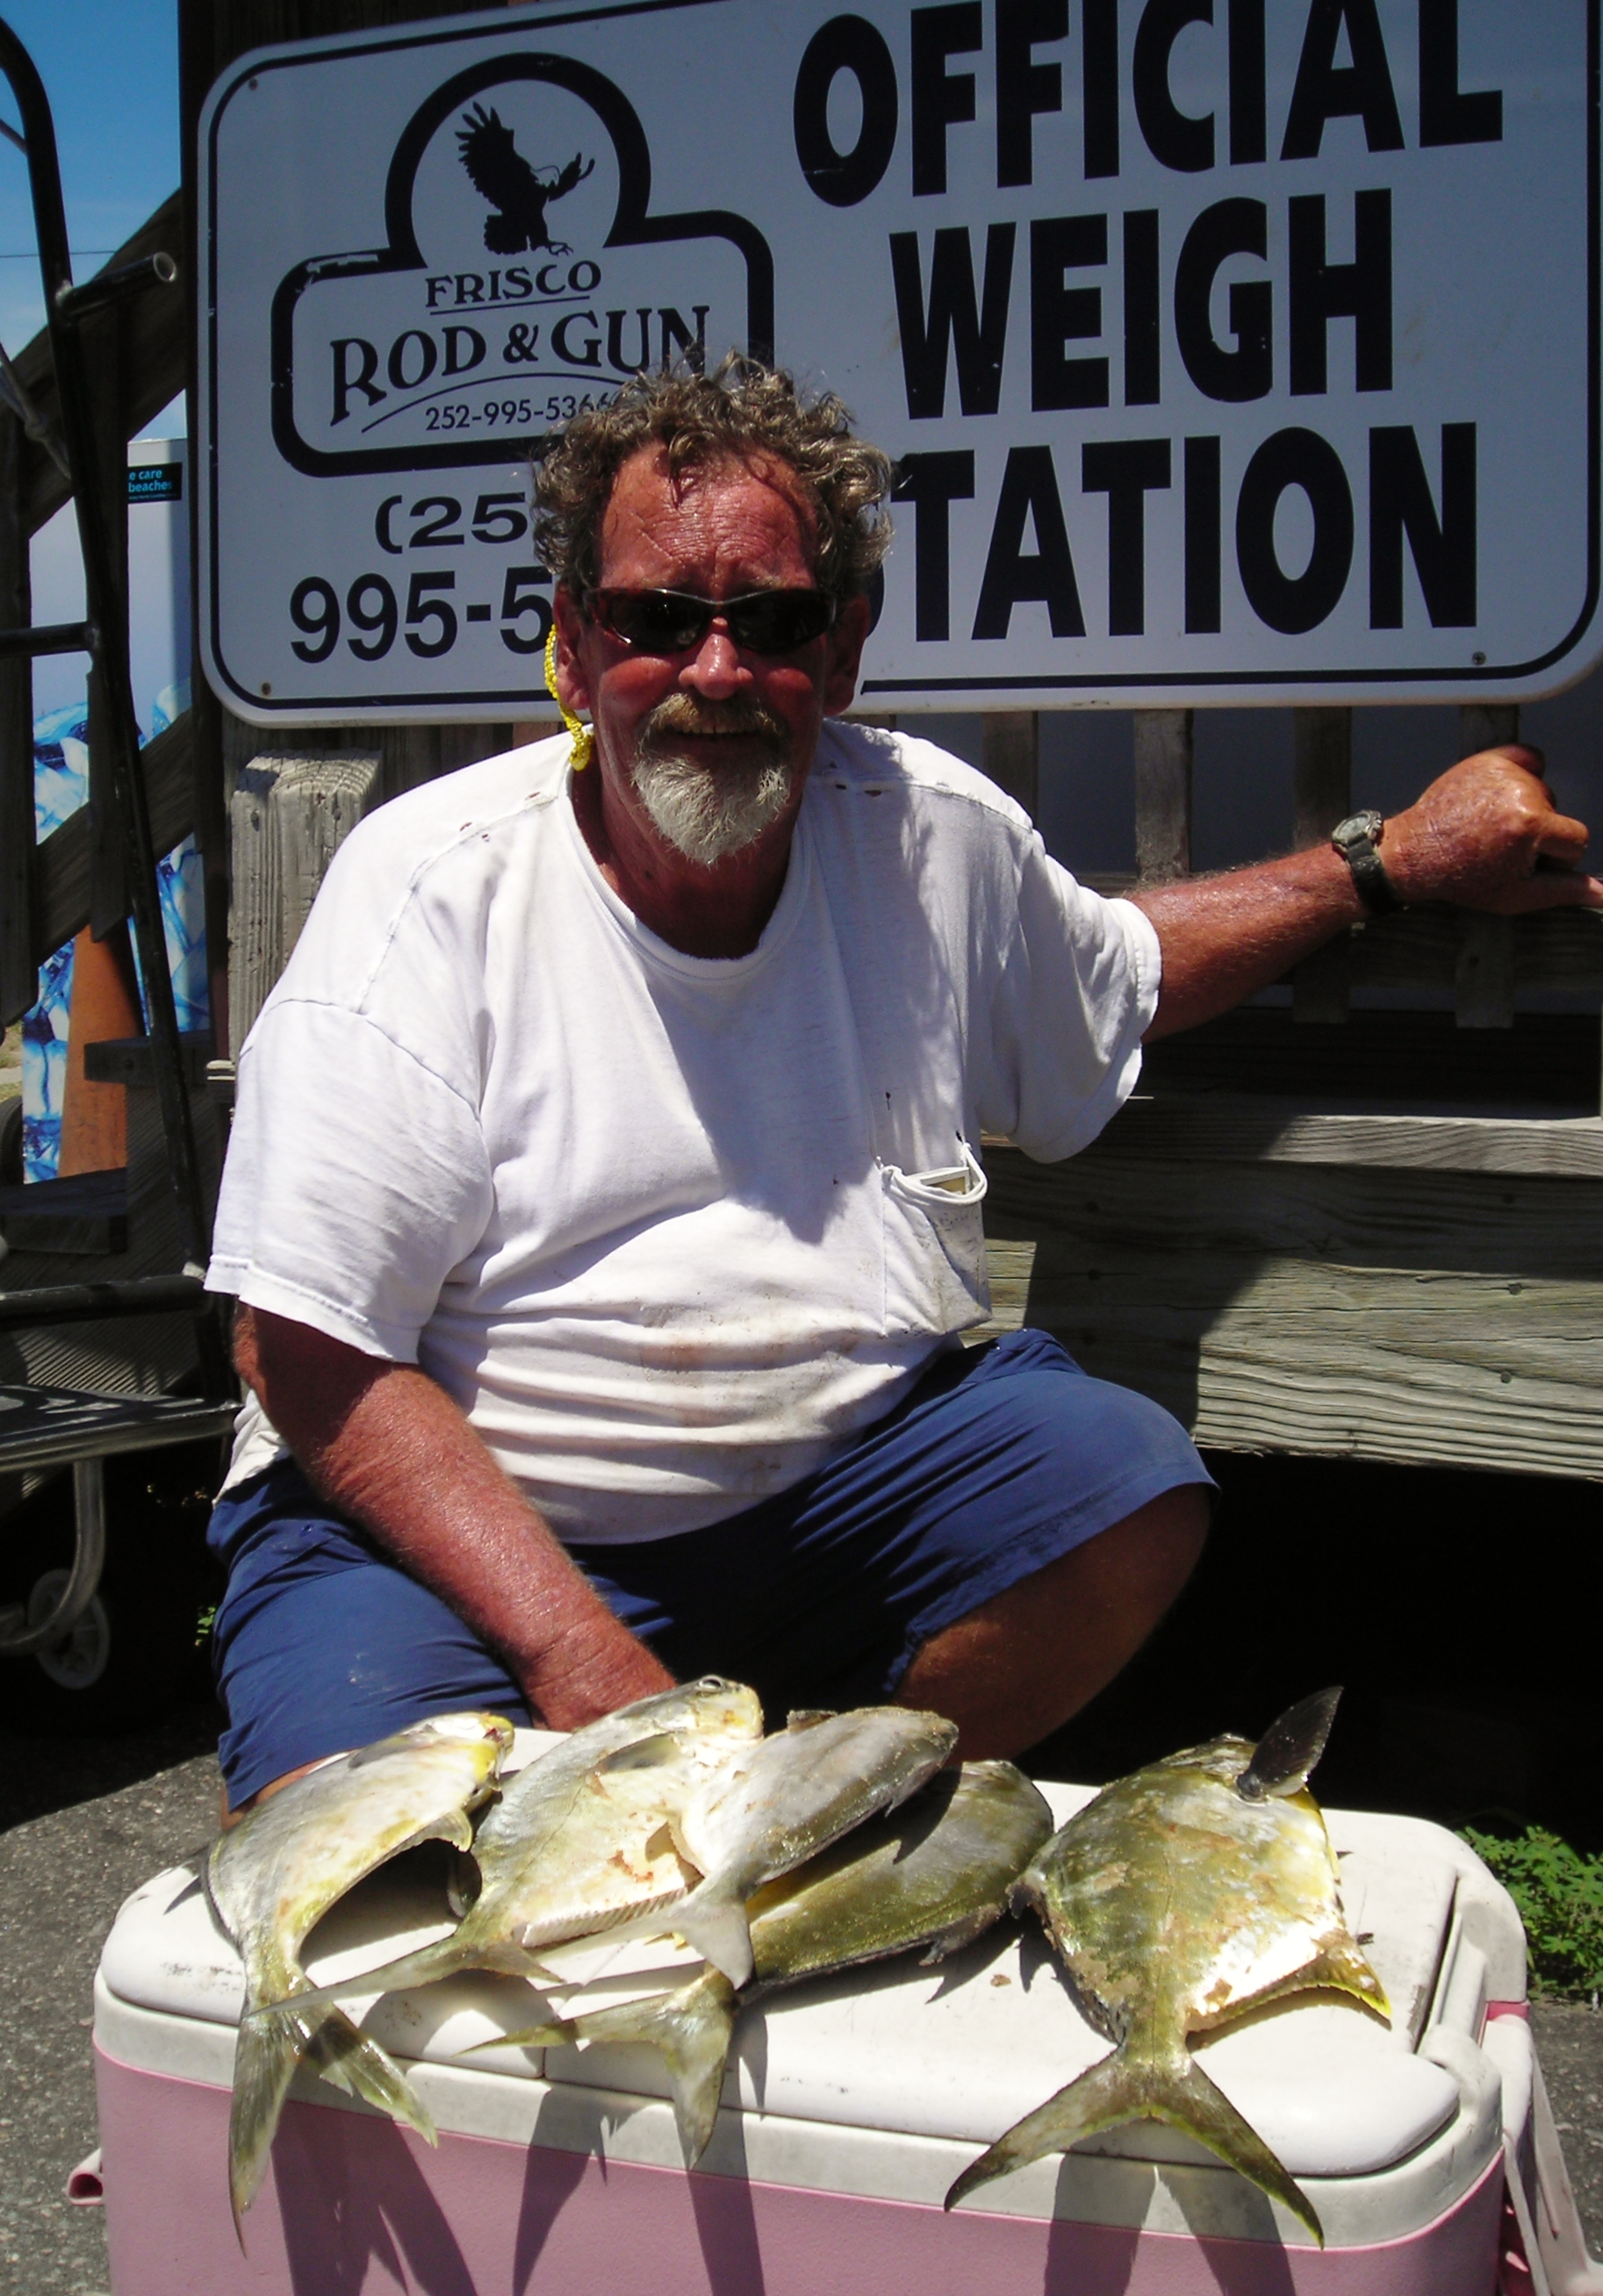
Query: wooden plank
1011, 752
1009, 1266
1484, 976
1108, 1216
1486, 725
63, 858
1322, 795
1555, 949
19, 961
1419, 1314
1259, 1375
1240, 1128
1411, 1061
1163, 777
289, 816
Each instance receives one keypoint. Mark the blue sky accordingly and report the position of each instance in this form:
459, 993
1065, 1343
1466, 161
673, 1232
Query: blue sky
111, 70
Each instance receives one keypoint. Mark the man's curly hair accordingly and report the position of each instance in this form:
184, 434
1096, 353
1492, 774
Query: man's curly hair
740, 411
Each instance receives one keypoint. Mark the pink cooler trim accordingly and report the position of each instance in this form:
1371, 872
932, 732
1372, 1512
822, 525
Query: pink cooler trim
352, 2202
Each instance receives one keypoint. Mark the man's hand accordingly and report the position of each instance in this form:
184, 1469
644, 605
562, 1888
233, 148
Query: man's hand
1479, 835
392, 1452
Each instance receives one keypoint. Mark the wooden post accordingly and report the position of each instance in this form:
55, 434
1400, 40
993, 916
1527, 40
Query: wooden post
1323, 796
288, 818
1012, 755
19, 971
1483, 984
1163, 746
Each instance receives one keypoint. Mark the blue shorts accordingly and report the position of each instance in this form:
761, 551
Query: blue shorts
998, 1459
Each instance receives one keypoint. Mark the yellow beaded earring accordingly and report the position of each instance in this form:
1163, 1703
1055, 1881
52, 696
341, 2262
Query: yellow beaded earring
584, 740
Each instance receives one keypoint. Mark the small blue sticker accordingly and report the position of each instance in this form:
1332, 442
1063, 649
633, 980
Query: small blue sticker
155, 482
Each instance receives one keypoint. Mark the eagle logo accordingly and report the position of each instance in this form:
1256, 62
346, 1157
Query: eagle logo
519, 193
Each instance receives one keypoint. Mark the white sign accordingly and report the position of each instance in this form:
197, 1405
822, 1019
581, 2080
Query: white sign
1229, 350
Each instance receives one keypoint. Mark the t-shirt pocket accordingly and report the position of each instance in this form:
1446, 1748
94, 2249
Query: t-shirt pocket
934, 1248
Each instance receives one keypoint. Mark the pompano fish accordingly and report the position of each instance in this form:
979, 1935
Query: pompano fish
271, 1879
1200, 1887
773, 1806
934, 1873
579, 1841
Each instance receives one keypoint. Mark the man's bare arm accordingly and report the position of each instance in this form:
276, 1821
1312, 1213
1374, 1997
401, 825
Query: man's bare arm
392, 1452
1475, 838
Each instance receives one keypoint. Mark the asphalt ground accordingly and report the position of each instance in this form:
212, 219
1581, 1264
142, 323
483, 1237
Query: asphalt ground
70, 1850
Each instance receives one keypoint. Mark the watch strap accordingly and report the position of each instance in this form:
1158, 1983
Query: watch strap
1357, 839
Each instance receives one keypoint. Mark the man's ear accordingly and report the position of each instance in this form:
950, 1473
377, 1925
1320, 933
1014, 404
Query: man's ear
572, 687
844, 641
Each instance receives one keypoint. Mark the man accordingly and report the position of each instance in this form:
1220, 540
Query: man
603, 1200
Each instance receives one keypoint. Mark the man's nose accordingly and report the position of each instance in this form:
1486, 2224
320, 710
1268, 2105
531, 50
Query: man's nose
715, 668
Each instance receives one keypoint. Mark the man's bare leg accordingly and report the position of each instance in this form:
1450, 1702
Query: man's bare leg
1021, 1664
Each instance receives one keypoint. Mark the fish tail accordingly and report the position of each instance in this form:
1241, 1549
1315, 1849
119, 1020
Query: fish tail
1121, 2089
692, 2028
269, 2047
354, 2061
713, 1920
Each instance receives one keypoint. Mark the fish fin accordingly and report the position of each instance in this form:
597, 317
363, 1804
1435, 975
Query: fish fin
456, 1828
271, 2044
641, 1754
354, 2061
808, 1718
713, 1920
426, 1966
1119, 2090
953, 1939
1342, 1969
1289, 1748
509, 1958
558, 2033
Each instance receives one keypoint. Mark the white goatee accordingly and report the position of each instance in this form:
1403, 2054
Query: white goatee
709, 810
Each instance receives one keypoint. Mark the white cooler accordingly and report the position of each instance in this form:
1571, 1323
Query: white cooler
849, 2105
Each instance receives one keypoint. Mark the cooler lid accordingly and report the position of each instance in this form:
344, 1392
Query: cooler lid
959, 2052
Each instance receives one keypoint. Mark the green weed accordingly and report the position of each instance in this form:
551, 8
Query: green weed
1559, 1894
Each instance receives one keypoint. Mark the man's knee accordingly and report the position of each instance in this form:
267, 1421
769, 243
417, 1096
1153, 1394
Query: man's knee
1026, 1661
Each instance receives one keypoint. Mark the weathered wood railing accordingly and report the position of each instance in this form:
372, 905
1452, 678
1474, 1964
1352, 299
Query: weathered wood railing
1414, 1281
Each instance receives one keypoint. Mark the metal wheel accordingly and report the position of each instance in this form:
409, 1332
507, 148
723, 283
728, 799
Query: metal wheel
82, 1655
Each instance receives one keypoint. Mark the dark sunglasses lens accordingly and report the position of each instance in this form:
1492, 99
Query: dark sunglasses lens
658, 620
778, 621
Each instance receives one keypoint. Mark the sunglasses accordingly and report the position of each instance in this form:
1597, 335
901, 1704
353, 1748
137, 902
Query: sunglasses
671, 621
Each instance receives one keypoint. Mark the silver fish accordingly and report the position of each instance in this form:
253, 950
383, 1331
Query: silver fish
934, 1873
579, 1841
773, 1806
271, 1879
1191, 1890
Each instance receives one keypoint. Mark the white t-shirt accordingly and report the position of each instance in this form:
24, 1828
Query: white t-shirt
668, 1228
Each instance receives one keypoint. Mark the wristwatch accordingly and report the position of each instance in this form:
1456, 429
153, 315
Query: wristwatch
1356, 840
